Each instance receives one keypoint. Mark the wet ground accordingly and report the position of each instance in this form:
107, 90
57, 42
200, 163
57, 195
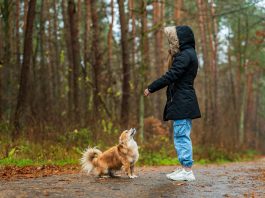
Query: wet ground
245, 179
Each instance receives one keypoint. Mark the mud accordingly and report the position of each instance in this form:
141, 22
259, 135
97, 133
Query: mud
246, 179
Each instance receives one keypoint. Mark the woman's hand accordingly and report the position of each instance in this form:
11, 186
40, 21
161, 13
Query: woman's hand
146, 92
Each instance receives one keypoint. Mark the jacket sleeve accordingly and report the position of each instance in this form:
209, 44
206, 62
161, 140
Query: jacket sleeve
179, 66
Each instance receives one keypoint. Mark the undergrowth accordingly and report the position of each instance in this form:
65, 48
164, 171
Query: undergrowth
66, 148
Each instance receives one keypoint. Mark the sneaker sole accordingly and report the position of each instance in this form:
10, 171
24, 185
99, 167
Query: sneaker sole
190, 180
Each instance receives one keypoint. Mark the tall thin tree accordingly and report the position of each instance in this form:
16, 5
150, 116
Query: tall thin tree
158, 33
97, 57
125, 108
144, 62
75, 47
25, 69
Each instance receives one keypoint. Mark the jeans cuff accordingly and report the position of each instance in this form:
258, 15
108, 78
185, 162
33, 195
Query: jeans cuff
187, 164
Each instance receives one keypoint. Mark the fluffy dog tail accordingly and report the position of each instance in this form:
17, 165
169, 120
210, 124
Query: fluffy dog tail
88, 159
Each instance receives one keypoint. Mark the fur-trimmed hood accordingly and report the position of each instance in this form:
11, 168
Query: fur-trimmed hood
179, 38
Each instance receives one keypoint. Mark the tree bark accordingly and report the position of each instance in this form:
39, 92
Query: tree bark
87, 58
97, 58
133, 55
243, 97
212, 29
57, 66
26, 5
158, 22
17, 34
1, 69
6, 13
177, 11
208, 103
125, 106
86, 34
49, 66
43, 94
145, 61
70, 60
110, 41
75, 47
24, 77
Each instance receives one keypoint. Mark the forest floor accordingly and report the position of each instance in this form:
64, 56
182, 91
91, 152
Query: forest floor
242, 179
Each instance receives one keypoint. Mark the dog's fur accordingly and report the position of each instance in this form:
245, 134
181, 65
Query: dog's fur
125, 155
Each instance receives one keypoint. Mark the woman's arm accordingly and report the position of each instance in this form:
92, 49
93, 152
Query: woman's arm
179, 66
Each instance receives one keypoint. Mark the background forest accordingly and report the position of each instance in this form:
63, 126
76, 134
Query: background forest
73, 72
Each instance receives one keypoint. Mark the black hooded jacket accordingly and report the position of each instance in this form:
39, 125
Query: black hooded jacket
181, 97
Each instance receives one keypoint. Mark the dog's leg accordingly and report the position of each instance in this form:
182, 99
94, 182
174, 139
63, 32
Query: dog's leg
100, 172
132, 171
111, 174
127, 168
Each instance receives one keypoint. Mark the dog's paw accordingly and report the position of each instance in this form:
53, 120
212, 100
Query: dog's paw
133, 176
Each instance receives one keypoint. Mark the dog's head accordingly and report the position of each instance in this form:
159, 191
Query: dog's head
127, 135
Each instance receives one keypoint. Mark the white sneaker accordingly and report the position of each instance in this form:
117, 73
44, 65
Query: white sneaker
182, 175
174, 172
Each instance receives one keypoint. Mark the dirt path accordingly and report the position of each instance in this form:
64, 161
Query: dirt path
245, 179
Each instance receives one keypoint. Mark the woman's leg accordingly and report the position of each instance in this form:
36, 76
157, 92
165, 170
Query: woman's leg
183, 145
182, 142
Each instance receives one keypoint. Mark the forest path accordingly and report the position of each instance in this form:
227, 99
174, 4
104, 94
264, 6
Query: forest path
243, 179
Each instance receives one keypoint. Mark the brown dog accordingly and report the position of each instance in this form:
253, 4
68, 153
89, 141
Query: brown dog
125, 155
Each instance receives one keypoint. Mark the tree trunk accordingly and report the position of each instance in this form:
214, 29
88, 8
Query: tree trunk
70, 60
86, 34
1, 69
110, 41
158, 22
145, 61
177, 11
125, 108
97, 58
17, 34
49, 66
43, 99
213, 42
24, 77
87, 58
243, 122
207, 75
133, 56
57, 66
6, 13
26, 4
75, 47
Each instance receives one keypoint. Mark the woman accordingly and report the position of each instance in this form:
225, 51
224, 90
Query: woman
182, 105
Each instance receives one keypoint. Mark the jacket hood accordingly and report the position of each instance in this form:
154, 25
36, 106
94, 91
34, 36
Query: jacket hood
185, 37
179, 38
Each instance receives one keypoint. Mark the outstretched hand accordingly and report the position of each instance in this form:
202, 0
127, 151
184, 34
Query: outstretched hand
146, 92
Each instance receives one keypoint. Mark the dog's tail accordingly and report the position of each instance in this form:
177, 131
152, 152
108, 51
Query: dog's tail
88, 159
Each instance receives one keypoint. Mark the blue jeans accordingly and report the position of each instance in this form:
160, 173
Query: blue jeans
182, 141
